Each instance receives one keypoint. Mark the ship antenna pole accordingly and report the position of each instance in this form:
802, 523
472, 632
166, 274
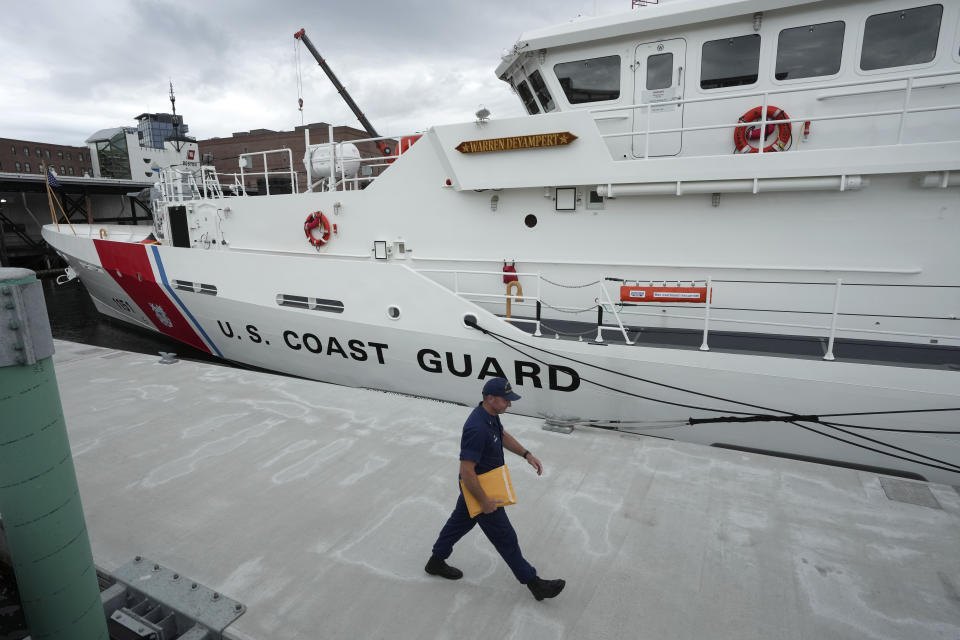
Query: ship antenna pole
176, 122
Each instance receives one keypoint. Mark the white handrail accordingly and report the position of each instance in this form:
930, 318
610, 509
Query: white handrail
708, 317
903, 111
792, 89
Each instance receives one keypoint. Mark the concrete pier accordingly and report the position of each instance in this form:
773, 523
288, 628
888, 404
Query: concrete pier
316, 505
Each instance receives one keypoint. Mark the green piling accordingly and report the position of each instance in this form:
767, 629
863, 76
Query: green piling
39, 498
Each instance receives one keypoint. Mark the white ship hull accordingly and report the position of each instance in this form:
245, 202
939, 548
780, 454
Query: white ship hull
829, 267
429, 352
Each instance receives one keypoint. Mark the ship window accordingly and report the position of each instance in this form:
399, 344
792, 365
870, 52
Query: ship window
590, 80
730, 62
659, 71
313, 304
524, 90
540, 88
900, 38
807, 52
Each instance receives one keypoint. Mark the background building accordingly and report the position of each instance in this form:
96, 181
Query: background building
25, 156
137, 153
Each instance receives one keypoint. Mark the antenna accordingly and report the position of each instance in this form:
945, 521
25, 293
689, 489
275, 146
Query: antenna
176, 121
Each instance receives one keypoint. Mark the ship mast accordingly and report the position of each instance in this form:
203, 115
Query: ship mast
176, 121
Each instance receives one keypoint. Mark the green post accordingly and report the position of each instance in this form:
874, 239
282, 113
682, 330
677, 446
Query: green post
39, 499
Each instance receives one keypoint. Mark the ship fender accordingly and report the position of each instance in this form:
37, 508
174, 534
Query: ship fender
317, 220
742, 135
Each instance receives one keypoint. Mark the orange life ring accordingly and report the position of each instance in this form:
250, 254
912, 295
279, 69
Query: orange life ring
743, 135
314, 220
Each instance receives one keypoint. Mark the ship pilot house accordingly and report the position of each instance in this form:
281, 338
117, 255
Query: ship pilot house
680, 68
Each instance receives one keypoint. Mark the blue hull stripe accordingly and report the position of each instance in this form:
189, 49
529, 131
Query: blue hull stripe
163, 277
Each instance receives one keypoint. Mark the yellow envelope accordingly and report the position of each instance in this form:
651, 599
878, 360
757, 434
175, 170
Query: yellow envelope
496, 484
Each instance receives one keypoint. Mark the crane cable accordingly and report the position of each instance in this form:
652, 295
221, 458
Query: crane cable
296, 57
743, 416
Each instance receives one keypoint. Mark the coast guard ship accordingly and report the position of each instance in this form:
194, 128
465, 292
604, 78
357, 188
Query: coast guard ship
732, 223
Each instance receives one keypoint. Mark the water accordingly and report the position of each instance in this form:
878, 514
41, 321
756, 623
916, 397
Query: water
73, 317
12, 624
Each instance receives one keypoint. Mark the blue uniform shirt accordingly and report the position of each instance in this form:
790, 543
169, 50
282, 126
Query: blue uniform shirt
482, 440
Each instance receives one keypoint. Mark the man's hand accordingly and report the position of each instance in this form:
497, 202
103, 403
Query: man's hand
490, 505
535, 463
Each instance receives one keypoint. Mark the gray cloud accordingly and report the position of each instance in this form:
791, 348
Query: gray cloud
409, 64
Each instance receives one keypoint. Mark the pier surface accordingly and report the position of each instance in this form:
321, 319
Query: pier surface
316, 506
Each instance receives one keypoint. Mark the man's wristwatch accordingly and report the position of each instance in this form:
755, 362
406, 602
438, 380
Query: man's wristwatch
525, 454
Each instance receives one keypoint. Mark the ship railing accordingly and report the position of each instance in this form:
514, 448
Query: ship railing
367, 169
210, 182
909, 84
603, 302
485, 296
248, 160
177, 184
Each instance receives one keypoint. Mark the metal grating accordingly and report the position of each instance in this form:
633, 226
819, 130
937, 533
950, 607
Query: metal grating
910, 492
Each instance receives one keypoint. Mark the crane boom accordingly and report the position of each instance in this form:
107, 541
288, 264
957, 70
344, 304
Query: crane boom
381, 144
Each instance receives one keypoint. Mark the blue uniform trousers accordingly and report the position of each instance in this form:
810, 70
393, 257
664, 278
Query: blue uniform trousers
496, 526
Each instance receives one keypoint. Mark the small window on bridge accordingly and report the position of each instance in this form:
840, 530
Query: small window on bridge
592, 80
543, 94
730, 62
901, 38
524, 90
810, 51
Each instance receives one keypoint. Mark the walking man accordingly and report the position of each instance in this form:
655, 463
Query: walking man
481, 450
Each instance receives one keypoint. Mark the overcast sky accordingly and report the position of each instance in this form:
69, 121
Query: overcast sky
72, 68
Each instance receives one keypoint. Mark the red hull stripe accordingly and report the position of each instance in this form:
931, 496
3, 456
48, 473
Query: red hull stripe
129, 264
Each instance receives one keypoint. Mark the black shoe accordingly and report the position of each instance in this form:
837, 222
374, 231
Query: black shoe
437, 567
546, 588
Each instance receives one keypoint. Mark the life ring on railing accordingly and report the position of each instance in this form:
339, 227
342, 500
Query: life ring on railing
314, 220
743, 134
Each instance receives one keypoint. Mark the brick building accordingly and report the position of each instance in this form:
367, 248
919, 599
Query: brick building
25, 156
224, 153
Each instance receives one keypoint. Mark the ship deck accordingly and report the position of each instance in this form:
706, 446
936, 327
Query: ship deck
316, 505
887, 353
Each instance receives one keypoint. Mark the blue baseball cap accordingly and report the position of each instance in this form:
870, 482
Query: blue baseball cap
499, 387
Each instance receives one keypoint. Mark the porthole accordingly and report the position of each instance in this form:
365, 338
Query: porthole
530, 221
393, 312
469, 320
